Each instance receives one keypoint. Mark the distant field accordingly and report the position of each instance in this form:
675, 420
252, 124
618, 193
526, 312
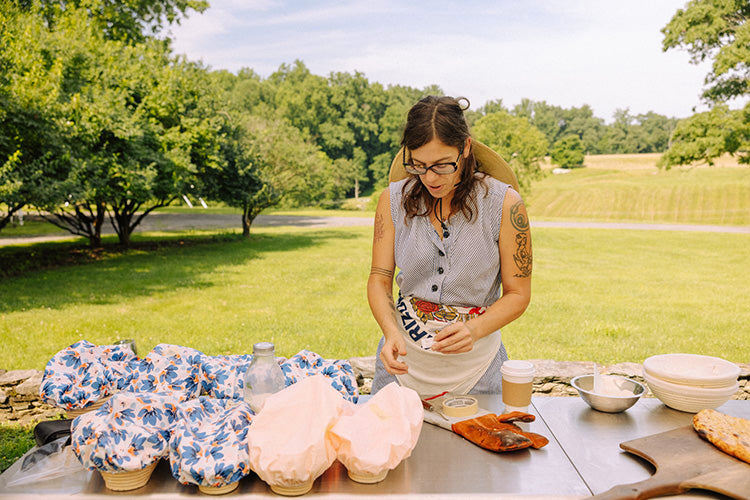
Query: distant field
629, 188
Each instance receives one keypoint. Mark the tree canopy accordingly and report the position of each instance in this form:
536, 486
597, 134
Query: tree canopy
717, 30
99, 120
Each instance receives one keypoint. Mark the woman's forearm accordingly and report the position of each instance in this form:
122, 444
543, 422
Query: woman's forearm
505, 309
380, 298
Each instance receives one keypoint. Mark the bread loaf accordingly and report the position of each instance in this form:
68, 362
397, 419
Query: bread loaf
730, 434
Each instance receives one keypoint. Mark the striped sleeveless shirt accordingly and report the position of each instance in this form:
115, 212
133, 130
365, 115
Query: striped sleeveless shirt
462, 269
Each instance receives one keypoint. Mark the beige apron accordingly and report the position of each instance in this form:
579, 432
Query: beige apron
432, 372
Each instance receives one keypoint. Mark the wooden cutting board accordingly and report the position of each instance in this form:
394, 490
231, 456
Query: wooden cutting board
683, 461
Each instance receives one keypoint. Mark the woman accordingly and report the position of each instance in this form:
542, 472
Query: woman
456, 236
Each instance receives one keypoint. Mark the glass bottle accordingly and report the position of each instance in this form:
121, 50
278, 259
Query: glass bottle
263, 376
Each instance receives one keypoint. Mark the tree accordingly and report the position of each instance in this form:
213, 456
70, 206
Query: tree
568, 151
137, 128
236, 179
705, 136
657, 129
718, 30
132, 21
32, 153
516, 140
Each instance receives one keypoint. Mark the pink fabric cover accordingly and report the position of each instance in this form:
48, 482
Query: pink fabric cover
379, 434
288, 442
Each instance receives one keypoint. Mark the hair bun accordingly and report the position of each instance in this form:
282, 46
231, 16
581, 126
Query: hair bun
464, 99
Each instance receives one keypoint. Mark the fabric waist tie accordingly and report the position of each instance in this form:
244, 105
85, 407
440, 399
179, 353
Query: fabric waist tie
431, 372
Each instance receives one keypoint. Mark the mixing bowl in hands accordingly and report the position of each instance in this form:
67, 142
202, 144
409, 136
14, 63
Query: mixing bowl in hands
632, 390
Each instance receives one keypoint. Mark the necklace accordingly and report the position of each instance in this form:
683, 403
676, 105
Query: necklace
439, 217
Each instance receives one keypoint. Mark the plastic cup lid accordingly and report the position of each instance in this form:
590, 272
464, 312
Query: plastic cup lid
518, 368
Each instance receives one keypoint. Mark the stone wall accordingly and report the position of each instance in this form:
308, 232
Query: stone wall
20, 405
19, 398
553, 377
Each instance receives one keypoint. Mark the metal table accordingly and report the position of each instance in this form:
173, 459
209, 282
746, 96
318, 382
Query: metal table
582, 458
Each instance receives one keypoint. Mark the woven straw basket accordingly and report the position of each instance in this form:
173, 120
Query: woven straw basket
128, 480
219, 490
80, 411
292, 491
367, 478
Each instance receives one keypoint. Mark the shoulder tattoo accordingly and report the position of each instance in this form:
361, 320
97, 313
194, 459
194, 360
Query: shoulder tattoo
518, 218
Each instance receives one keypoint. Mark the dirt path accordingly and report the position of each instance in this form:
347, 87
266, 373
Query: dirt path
172, 222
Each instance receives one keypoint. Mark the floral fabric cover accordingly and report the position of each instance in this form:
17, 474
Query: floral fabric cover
339, 372
208, 446
82, 373
224, 376
128, 433
168, 369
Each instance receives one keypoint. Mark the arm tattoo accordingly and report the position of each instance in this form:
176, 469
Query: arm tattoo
518, 218
383, 272
379, 227
522, 256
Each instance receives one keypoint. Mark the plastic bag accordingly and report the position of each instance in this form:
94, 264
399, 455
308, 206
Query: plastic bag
379, 434
52, 468
288, 441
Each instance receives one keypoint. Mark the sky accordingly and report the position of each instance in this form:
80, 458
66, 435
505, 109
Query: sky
603, 53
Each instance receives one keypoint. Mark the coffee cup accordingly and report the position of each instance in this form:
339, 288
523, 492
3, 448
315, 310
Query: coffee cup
518, 378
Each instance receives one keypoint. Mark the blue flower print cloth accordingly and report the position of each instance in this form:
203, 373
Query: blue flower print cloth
224, 376
83, 373
170, 369
208, 446
338, 372
128, 433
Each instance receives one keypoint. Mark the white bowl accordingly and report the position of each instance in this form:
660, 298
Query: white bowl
688, 398
692, 369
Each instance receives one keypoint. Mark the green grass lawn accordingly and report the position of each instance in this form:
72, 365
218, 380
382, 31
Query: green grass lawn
31, 228
14, 442
603, 295
643, 194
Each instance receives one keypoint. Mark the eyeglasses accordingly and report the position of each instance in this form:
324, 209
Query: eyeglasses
439, 168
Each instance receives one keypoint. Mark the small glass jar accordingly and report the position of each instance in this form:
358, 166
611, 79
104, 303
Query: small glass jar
263, 376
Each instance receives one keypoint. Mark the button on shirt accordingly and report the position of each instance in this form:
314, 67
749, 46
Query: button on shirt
462, 269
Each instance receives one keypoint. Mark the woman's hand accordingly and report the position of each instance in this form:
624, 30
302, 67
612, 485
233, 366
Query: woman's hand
392, 349
454, 339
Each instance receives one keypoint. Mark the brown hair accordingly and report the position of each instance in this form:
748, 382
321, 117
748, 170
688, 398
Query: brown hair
441, 118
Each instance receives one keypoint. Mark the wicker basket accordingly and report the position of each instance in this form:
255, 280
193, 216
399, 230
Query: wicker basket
77, 412
219, 490
128, 480
292, 491
367, 478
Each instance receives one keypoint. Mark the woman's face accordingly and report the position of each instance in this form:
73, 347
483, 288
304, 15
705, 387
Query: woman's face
433, 153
